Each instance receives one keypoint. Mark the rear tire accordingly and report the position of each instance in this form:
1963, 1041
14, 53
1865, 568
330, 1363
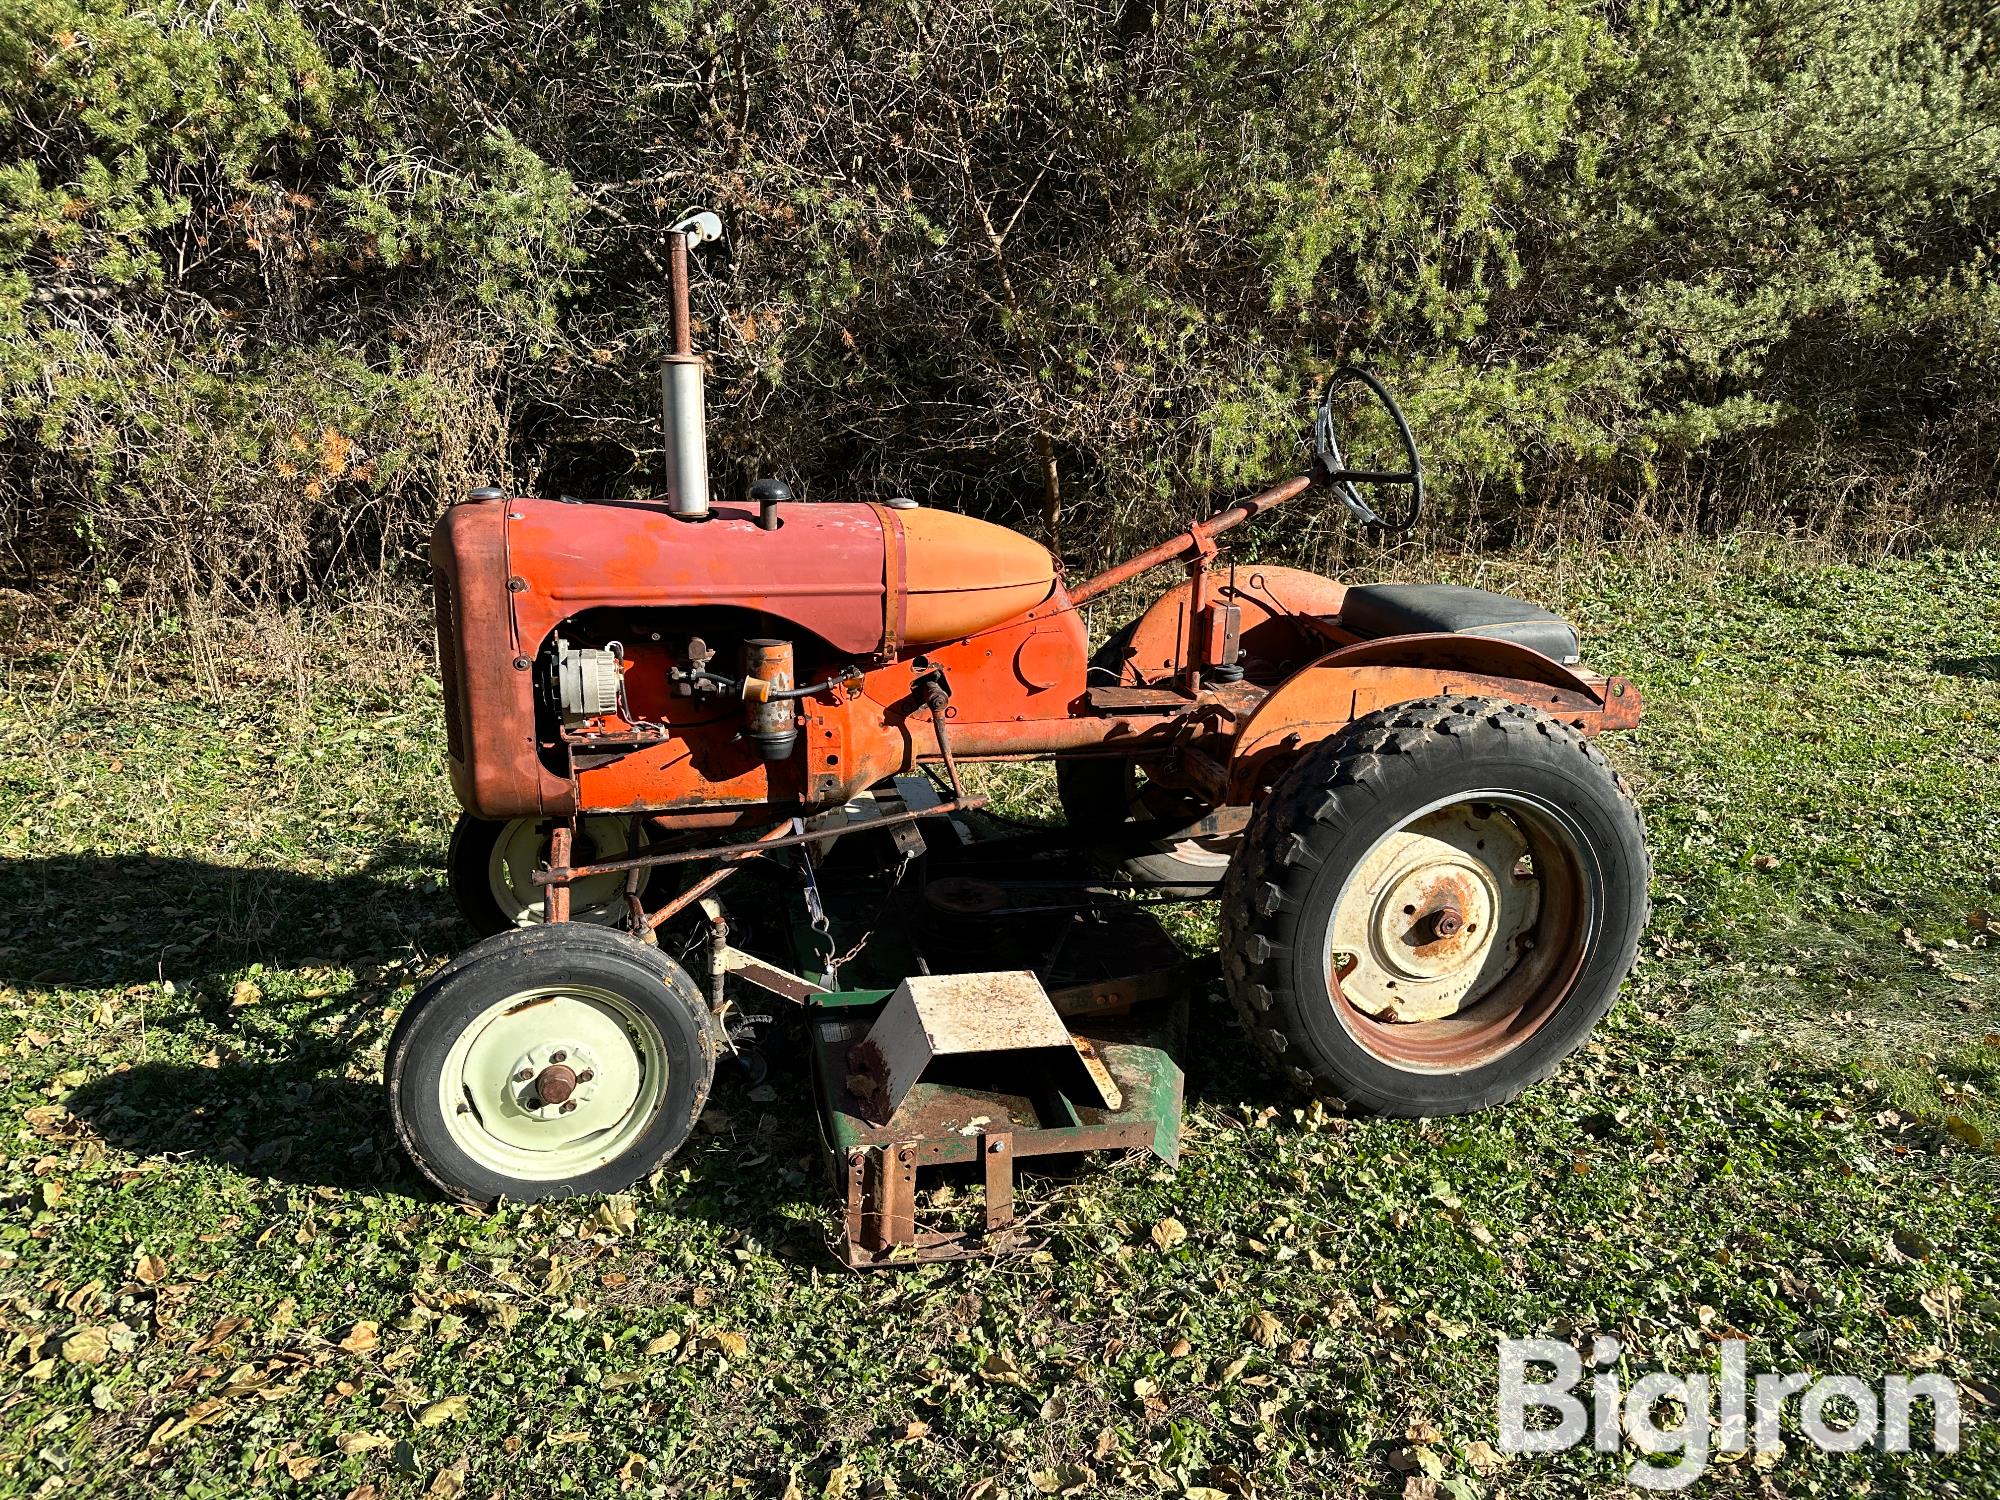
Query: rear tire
1433, 908
487, 1055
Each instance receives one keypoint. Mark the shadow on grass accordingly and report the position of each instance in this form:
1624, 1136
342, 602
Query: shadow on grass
295, 1116
96, 920
291, 1121
302, 1122
1987, 667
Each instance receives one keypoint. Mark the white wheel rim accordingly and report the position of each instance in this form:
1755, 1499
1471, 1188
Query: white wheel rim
1435, 916
491, 1089
518, 852
1207, 854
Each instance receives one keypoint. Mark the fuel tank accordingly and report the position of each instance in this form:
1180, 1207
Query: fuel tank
865, 578
961, 576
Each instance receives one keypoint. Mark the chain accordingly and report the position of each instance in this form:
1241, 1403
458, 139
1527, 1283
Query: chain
816, 909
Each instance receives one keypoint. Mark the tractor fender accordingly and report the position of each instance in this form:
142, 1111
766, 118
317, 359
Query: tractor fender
1280, 608
1322, 699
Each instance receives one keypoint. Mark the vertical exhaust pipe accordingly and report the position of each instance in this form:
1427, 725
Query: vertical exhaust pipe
683, 405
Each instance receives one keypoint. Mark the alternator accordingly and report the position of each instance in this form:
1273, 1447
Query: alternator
588, 680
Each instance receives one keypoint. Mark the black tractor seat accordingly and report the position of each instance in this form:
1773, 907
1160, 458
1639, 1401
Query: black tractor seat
1379, 609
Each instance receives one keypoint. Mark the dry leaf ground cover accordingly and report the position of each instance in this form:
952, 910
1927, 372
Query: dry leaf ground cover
219, 858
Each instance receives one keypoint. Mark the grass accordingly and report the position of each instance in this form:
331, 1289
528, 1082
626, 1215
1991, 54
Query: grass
217, 1276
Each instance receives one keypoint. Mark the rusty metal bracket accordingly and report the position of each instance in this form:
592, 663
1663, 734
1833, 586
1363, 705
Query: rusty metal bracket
881, 1216
554, 874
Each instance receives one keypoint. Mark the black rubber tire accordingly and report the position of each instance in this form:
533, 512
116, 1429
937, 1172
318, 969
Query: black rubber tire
522, 958
1097, 794
466, 865
1324, 815
468, 875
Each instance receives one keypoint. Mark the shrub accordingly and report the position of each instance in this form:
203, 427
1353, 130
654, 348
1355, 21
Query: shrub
279, 277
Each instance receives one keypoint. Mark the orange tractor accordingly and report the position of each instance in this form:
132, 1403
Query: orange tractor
1431, 883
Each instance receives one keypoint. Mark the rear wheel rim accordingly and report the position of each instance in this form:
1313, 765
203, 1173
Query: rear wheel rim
1208, 858
1462, 930
518, 852
553, 1082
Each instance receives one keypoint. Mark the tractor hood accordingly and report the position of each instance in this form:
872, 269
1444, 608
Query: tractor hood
867, 579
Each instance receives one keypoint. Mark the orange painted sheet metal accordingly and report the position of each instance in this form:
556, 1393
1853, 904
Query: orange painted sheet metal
1280, 608
964, 575
490, 693
1357, 680
821, 569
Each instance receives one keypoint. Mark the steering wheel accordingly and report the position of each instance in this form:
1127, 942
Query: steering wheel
1333, 467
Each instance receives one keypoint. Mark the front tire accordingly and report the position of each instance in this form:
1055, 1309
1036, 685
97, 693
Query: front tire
549, 1062
491, 864
1433, 908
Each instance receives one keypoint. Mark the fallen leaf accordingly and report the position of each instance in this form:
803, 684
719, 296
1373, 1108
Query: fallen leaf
666, 1343
1964, 1130
351, 1443
217, 1335
151, 1269
1264, 1328
731, 1345
1485, 1459
1169, 1233
1000, 1369
442, 1411
362, 1338
87, 1346
448, 1484
615, 1215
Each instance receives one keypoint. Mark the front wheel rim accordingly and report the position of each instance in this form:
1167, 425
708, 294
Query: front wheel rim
553, 1082
1462, 930
518, 852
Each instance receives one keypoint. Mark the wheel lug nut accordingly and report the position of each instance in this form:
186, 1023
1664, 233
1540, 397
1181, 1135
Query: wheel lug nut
524, 1075
556, 1057
568, 1106
585, 1076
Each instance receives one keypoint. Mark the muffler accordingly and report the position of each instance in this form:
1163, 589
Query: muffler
683, 403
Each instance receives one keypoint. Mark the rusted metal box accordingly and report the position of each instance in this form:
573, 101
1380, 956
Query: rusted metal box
982, 1123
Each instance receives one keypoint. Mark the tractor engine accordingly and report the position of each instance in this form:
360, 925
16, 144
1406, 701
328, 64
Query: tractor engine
617, 655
